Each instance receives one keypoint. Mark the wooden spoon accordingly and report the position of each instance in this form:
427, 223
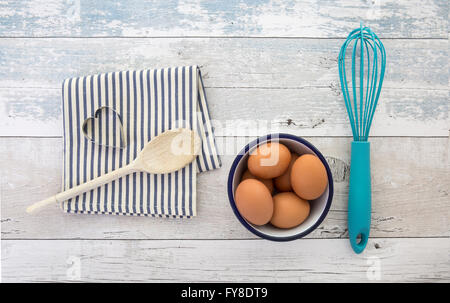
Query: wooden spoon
167, 152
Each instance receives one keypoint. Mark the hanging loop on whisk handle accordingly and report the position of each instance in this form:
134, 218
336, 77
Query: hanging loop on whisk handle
359, 197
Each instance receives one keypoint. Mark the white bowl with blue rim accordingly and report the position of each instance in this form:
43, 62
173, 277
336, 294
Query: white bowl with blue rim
319, 206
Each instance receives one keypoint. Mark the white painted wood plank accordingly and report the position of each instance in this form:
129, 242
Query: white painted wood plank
305, 260
410, 182
312, 18
306, 112
225, 62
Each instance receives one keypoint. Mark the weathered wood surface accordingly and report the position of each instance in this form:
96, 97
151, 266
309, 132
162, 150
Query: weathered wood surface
390, 260
292, 83
275, 61
410, 181
82, 18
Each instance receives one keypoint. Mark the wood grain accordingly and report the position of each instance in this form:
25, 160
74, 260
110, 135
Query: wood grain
305, 260
392, 18
410, 178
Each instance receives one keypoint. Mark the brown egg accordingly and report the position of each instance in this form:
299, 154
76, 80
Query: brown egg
309, 177
254, 201
269, 160
283, 182
267, 182
289, 210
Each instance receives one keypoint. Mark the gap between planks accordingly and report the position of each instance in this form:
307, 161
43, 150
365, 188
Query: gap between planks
237, 136
243, 87
212, 37
207, 239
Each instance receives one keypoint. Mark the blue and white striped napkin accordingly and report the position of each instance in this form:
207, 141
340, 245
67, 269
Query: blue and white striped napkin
145, 103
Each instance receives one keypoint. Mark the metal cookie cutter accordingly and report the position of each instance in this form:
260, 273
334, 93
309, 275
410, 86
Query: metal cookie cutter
89, 133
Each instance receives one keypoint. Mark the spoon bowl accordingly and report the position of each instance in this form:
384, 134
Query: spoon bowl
169, 152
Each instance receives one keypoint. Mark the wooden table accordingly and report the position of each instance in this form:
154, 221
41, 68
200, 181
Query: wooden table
275, 62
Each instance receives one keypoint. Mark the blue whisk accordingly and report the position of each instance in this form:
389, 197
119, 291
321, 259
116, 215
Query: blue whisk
361, 103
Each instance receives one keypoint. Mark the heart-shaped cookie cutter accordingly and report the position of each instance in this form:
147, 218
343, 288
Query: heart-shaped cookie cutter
97, 113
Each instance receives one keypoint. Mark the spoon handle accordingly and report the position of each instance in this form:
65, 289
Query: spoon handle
82, 188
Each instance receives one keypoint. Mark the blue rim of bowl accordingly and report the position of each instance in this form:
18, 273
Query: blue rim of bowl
244, 151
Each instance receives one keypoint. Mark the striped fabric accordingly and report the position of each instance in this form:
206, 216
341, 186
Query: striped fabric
145, 103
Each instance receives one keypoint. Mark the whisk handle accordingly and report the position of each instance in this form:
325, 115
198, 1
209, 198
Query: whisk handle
359, 198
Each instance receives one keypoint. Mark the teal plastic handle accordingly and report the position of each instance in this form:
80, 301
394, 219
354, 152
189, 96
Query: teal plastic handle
359, 197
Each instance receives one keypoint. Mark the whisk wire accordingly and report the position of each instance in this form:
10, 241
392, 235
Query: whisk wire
380, 83
371, 77
361, 79
355, 99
